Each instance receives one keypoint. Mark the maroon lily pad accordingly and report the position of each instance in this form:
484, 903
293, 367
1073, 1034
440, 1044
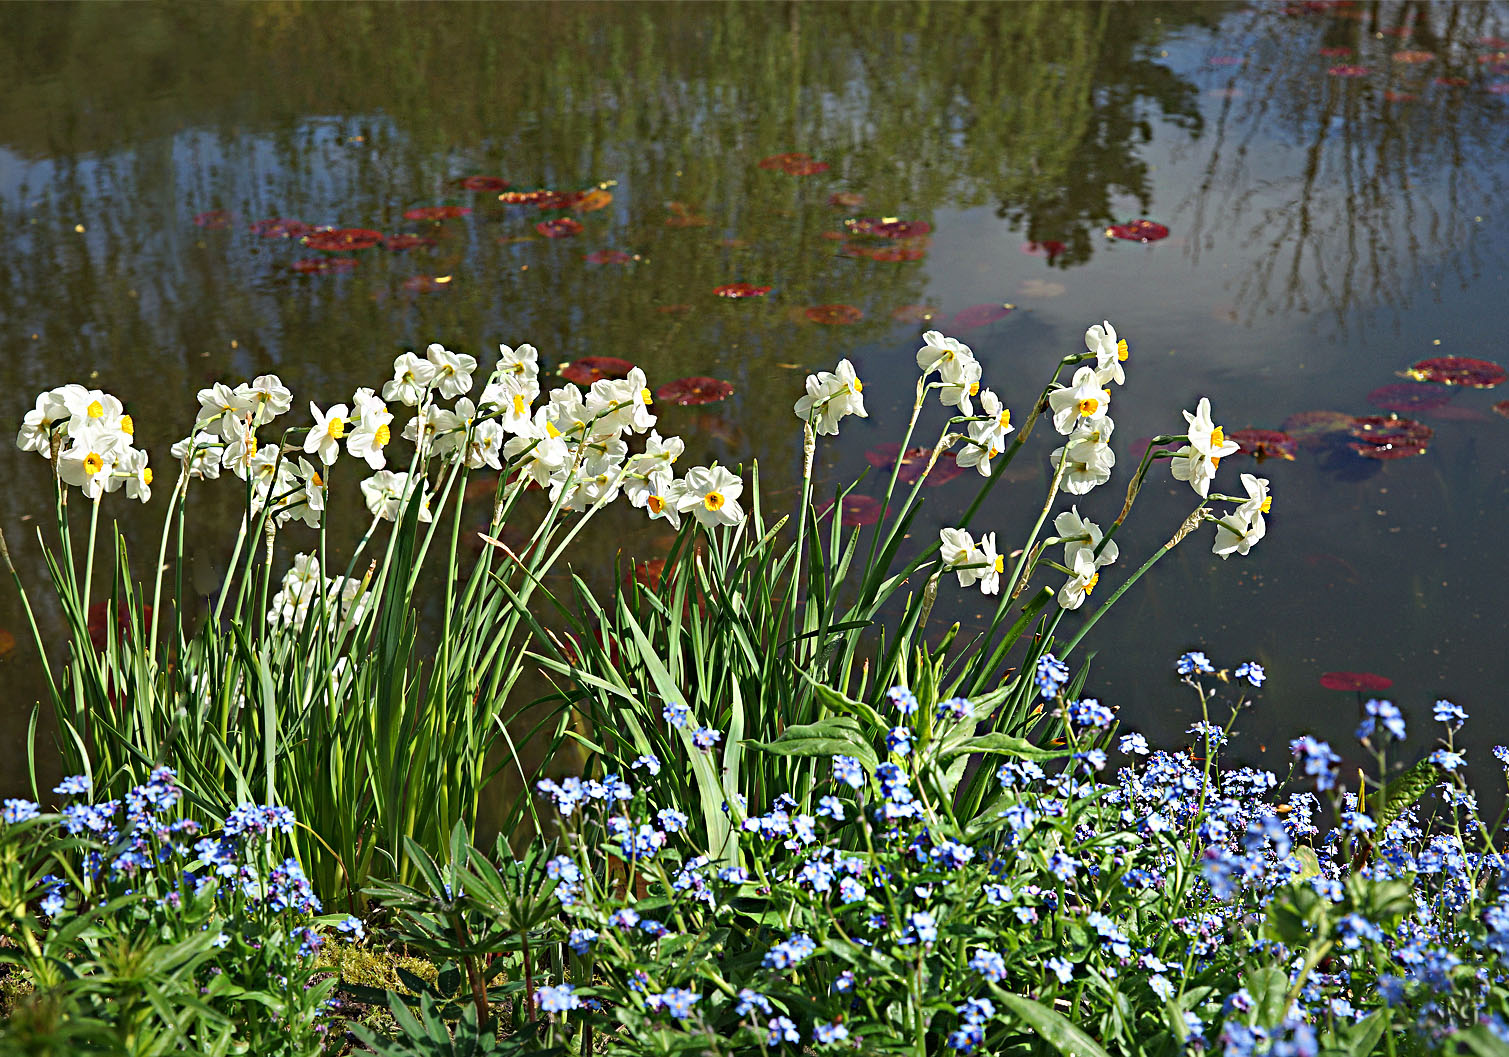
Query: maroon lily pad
794, 163
1501, 408
780, 161
1312, 428
590, 369
523, 198
1349, 70
1412, 57
913, 463
1388, 437
337, 240
834, 315
1138, 231
213, 220
1458, 370
427, 284
323, 265
1264, 443
1356, 681
915, 313
609, 257
1339, 51
484, 183
739, 290
436, 213
888, 227
979, 316
855, 510
695, 390
559, 228
1408, 396
281, 228
407, 242
561, 199
892, 254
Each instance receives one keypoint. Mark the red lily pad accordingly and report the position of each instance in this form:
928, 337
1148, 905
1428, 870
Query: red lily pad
834, 315
281, 228
323, 265
1138, 231
609, 257
1452, 82
407, 242
1049, 249
560, 199
888, 227
695, 390
590, 369
523, 198
1399, 97
979, 316
1339, 51
98, 620
1408, 396
1264, 443
1396, 31
559, 228
913, 463
213, 220
738, 290
484, 183
846, 200
1311, 428
1458, 370
1349, 70
427, 284
892, 254
1413, 57
436, 213
593, 200
855, 510
647, 574
337, 240
806, 168
1388, 437
7, 642
780, 161
684, 216
1356, 681
915, 313
1501, 408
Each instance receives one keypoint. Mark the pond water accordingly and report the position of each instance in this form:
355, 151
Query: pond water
1330, 176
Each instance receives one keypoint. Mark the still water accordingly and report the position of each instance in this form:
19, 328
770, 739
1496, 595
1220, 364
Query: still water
1331, 177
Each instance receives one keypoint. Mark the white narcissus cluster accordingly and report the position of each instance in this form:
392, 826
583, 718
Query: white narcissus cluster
1196, 462
1244, 526
345, 595
93, 439
830, 397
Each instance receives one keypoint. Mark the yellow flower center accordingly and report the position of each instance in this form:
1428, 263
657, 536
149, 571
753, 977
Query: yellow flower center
1267, 504
146, 475
1215, 461
93, 464
974, 388
316, 480
551, 431
518, 404
1121, 349
714, 501
1091, 582
994, 451
1006, 419
128, 427
1217, 437
1000, 563
96, 409
336, 428
1089, 405
644, 395
656, 504
251, 446
859, 386
382, 435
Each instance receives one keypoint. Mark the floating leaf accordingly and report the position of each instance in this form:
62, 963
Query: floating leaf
890, 254
337, 240
98, 619
913, 463
1356, 681
559, 199
686, 220
647, 574
281, 228
7, 642
1411, 58
1388, 437
780, 161
1502, 408
592, 201
1050, 249
559, 228
738, 290
523, 198
888, 227
846, 200
695, 390
1349, 70
1138, 231
426, 284
407, 242
323, 265
1458, 370
833, 315
609, 257
979, 316
436, 213
1399, 97
915, 313
806, 168
1312, 428
1452, 82
484, 183
1408, 396
1264, 443
1338, 51
589, 369
213, 220
856, 510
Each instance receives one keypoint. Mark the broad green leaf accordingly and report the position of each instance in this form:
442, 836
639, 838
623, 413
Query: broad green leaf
1005, 745
1055, 1029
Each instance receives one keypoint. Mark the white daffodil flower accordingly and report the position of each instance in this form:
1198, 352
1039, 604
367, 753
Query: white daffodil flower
1082, 399
522, 363
1085, 576
712, 496
240, 450
958, 547
959, 394
659, 454
348, 601
1088, 456
270, 476
513, 396
89, 462
978, 449
39, 423
1196, 462
202, 451
568, 412
325, 435
598, 475
1258, 500
453, 370
949, 357
1238, 531
830, 396
221, 407
1109, 352
656, 493
411, 379
305, 498
449, 428
540, 451
384, 493
373, 430
93, 409
1081, 536
266, 397
485, 446
138, 475
629, 400
995, 565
